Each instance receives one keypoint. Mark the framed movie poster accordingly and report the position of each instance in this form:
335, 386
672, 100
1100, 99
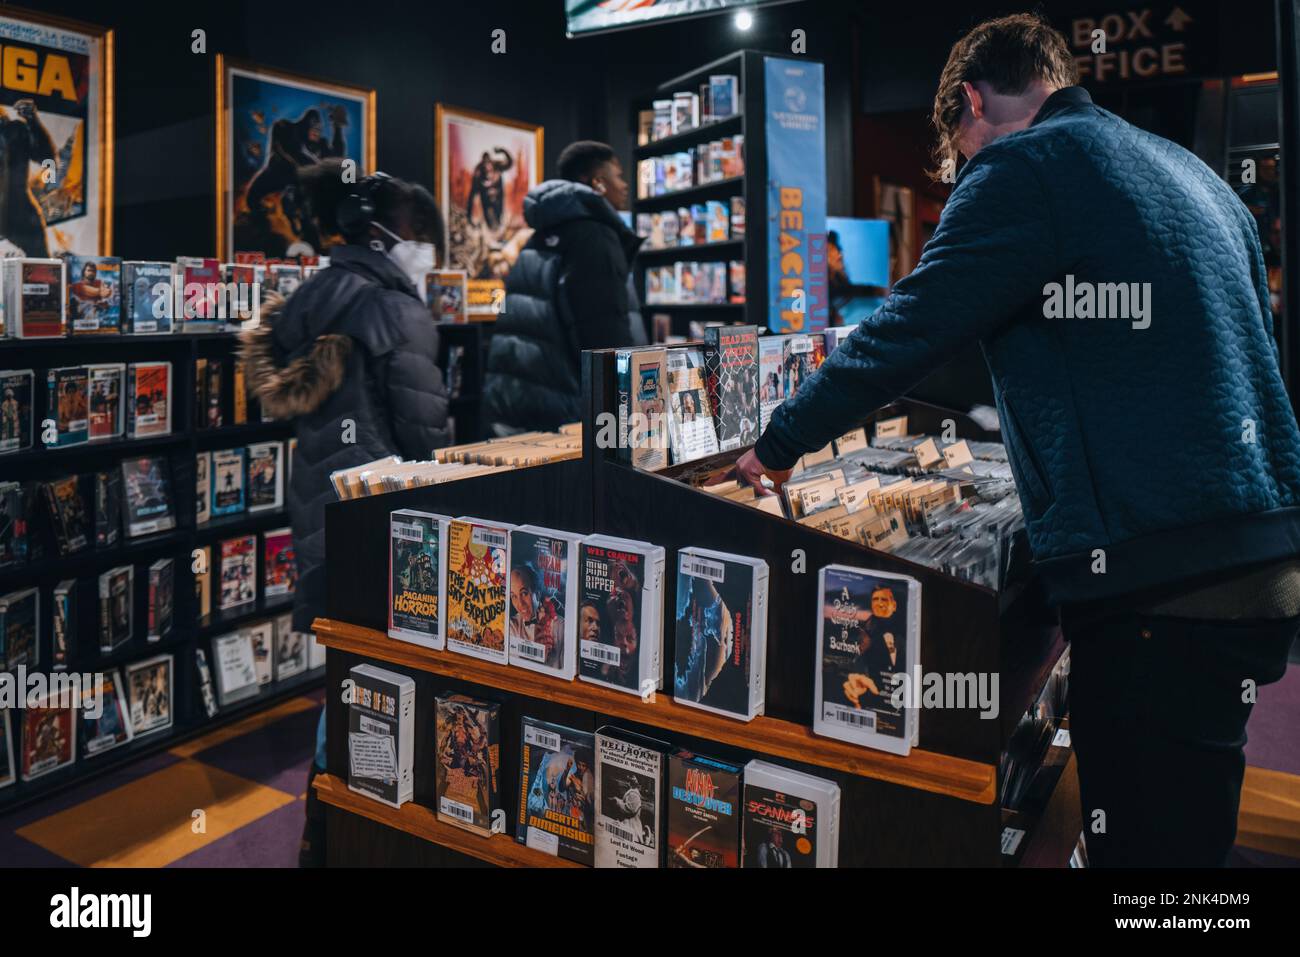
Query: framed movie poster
270, 124
56, 124
897, 204
484, 167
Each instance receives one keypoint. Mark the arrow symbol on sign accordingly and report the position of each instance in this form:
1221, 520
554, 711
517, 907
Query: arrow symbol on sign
1178, 19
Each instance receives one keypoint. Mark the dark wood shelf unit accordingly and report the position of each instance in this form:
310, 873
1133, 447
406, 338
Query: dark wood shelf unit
24, 794
90, 559
179, 448
243, 523
941, 803
673, 253
85, 457
671, 200
937, 773
418, 821
747, 66
15, 344
700, 134
219, 622
249, 433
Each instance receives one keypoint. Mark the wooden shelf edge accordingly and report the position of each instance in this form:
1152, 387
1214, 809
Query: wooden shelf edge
924, 770
416, 819
1269, 816
1051, 828
677, 194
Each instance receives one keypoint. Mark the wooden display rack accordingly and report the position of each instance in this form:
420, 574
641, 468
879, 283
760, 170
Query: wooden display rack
938, 806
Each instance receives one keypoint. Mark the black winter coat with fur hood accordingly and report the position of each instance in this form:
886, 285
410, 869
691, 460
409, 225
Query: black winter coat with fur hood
353, 343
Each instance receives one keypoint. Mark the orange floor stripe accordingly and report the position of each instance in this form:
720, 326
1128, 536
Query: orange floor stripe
148, 823
1269, 819
253, 722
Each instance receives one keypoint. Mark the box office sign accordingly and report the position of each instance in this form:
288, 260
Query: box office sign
796, 200
1153, 41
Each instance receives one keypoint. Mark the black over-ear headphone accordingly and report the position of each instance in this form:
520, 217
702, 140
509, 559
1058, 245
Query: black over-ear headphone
358, 207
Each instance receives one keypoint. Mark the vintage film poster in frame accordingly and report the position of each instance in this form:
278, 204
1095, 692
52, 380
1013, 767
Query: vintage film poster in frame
897, 204
60, 86
484, 166
270, 123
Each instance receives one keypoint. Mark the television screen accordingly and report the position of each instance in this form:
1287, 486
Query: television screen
595, 16
863, 246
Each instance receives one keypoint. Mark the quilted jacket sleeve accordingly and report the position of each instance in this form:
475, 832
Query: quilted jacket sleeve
992, 253
416, 396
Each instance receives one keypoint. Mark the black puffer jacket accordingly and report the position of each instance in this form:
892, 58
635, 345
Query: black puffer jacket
353, 343
568, 291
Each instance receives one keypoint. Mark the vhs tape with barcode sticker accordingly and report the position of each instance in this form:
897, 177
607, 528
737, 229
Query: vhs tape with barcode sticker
557, 778
417, 577
721, 632
620, 621
868, 649
381, 734
478, 563
543, 613
469, 752
629, 798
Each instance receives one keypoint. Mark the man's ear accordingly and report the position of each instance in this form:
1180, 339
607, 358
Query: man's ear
975, 100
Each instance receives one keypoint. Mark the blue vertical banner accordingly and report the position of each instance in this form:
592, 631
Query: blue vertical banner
797, 294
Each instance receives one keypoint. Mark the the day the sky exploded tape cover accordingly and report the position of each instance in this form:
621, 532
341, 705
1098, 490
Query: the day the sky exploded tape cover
478, 560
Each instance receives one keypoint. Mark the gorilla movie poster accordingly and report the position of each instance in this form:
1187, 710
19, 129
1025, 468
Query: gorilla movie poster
53, 127
274, 125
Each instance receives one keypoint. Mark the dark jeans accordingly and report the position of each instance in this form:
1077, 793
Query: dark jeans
1159, 727
311, 852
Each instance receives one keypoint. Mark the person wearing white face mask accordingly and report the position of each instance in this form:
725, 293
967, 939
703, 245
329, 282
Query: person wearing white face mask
351, 358
415, 258
354, 344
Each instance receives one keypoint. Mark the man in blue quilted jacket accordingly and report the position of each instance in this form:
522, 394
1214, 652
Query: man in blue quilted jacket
1117, 288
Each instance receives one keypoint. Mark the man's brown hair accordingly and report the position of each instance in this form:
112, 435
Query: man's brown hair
1008, 53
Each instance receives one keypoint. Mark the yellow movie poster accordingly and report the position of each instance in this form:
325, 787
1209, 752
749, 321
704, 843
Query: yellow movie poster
56, 135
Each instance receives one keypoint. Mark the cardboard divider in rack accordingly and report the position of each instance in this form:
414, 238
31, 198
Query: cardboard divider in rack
937, 806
